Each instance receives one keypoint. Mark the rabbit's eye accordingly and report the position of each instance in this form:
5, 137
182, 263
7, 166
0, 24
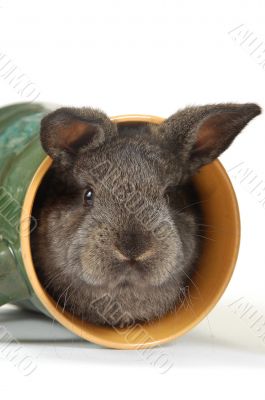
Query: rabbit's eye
89, 197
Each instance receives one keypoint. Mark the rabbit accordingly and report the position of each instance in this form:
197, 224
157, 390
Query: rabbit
118, 229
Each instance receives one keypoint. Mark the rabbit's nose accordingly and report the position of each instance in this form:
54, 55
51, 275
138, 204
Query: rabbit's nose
133, 246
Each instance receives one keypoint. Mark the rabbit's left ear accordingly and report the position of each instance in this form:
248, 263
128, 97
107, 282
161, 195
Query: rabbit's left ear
198, 135
67, 132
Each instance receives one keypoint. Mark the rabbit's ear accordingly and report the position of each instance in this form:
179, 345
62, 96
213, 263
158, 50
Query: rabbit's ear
67, 131
198, 135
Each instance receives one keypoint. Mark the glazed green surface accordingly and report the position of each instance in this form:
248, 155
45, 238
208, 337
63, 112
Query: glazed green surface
20, 156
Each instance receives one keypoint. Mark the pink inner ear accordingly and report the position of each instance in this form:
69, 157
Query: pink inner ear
212, 132
76, 134
206, 137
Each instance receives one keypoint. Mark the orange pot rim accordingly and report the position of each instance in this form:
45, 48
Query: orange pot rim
112, 337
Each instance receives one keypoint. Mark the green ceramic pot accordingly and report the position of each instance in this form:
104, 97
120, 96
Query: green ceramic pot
23, 165
20, 156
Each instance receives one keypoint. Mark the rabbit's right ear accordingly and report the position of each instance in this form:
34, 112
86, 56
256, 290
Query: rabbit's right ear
68, 131
198, 135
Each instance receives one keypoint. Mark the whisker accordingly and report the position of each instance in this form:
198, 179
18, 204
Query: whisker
181, 304
191, 204
197, 288
52, 279
205, 237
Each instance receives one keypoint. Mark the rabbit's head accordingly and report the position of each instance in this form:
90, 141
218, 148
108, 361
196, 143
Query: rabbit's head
117, 230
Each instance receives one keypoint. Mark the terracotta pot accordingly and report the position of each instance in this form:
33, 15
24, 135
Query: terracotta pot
23, 166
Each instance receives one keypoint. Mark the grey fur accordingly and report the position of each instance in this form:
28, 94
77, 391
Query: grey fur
140, 240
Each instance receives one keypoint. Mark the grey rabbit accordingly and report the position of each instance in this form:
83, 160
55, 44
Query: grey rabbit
115, 211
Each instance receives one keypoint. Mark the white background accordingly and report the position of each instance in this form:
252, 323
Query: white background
148, 57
